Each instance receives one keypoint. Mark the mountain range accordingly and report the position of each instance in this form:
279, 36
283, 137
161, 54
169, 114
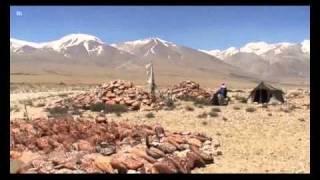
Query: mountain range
86, 54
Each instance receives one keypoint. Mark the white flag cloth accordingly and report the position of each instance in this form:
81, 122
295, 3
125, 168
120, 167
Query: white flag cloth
150, 75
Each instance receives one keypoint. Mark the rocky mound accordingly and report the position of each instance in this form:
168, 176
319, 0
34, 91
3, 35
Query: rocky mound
64, 145
188, 89
114, 92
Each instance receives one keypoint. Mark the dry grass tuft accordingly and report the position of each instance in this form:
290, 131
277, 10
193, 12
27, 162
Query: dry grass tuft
213, 114
189, 108
203, 115
250, 109
150, 115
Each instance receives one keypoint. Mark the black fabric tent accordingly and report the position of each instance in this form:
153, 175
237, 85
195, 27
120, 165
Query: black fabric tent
264, 92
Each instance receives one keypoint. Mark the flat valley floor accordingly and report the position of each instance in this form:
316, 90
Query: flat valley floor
272, 139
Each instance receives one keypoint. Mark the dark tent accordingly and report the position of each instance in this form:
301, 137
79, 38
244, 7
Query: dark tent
264, 92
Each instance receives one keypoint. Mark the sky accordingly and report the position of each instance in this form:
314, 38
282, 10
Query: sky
199, 27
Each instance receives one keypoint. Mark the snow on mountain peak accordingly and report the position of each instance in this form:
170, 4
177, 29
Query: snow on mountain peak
16, 43
73, 40
257, 47
231, 51
305, 46
148, 40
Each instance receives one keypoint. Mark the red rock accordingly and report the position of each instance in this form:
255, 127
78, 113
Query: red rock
206, 157
133, 162
117, 163
179, 163
173, 142
110, 102
28, 156
194, 141
195, 160
103, 163
155, 153
178, 138
141, 153
167, 147
42, 143
165, 167
129, 102
84, 145
100, 119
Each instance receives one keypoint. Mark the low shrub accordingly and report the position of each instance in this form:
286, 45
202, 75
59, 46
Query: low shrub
250, 109
215, 110
150, 115
213, 114
189, 108
203, 115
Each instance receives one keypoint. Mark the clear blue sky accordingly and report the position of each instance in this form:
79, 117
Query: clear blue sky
199, 27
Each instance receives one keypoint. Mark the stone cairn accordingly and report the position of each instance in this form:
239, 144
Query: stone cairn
63, 145
115, 92
188, 89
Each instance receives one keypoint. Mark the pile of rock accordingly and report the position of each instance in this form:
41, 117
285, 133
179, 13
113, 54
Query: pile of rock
68, 146
187, 89
114, 92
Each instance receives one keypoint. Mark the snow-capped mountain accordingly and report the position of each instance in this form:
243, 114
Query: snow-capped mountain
166, 54
270, 61
148, 47
262, 48
305, 46
222, 54
255, 60
69, 45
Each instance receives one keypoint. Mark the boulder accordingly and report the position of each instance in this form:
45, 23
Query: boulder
103, 163
84, 145
194, 141
155, 152
167, 147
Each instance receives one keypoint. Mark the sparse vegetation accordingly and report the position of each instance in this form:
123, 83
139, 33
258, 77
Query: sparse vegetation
213, 114
63, 94
224, 118
115, 108
189, 108
98, 107
150, 115
199, 106
196, 101
215, 109
236, 108
108, 108
203, 115
39, 104
58, 111
269, 114
204, 123
250, 109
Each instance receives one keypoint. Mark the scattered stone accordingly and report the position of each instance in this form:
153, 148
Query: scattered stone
65, 145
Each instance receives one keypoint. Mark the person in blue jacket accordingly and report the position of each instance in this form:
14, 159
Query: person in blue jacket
223, 90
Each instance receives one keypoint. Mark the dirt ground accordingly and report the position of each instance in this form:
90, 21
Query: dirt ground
272, 139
